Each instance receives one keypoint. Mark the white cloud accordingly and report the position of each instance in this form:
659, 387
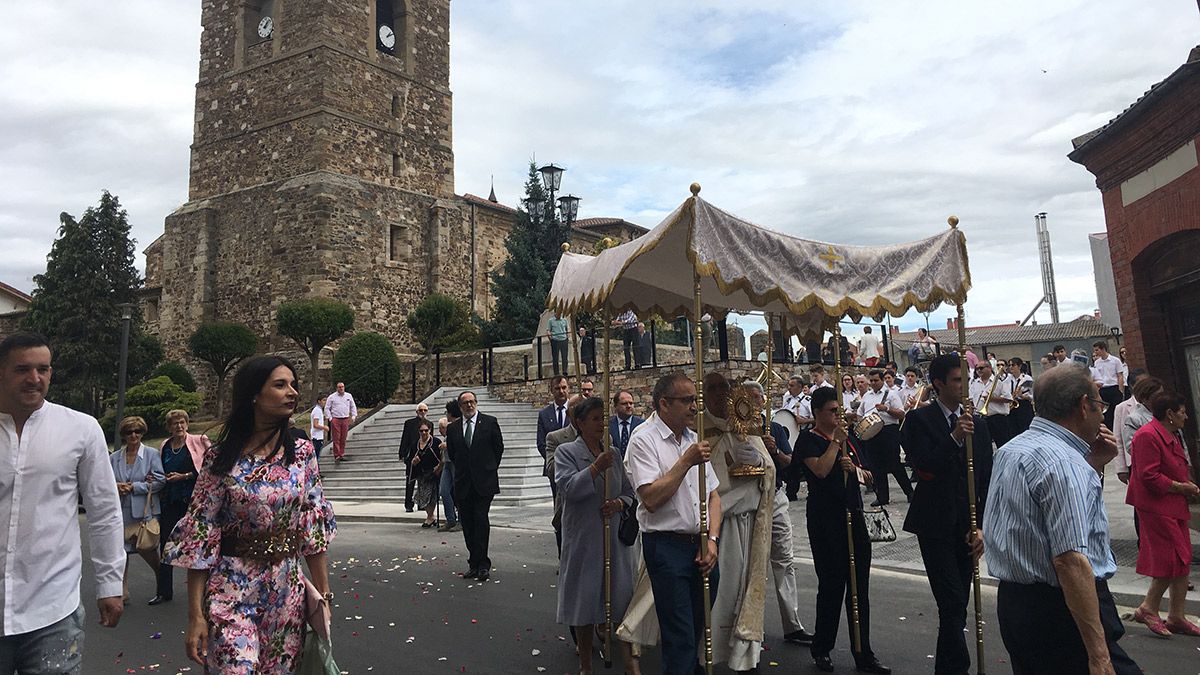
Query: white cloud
852, 122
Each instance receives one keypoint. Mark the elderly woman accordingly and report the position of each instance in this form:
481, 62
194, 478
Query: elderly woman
258, 508
1159, 489
182, 456
426, 460
139, 474
579, 470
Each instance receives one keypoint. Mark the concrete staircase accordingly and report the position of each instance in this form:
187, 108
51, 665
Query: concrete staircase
374, 472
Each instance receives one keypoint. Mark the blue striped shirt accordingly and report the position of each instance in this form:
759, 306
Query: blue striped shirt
1044, 500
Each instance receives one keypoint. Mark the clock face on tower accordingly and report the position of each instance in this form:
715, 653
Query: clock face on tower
266, 27
387, 37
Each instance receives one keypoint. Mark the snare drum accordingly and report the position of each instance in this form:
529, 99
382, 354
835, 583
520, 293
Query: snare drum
787, 420
869, 426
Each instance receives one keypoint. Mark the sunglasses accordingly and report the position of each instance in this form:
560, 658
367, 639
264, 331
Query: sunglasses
132, 432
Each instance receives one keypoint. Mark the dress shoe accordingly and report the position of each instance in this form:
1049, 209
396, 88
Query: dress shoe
428, 524
470, 574
872, 665
159, 599
483, 575
823, 663
798, 637
455, 527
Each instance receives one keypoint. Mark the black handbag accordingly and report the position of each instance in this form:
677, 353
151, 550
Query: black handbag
628, 531
879, 525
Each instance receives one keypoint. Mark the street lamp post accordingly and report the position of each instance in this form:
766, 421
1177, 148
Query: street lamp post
567, 205
126, 316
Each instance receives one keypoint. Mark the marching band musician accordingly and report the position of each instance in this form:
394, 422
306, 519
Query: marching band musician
998, 396
800, 405
1022, 416
817, 375
934, 440
743, 556
909, 390
884, 449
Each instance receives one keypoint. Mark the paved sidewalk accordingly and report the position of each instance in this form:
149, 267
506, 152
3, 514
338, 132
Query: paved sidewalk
902, 555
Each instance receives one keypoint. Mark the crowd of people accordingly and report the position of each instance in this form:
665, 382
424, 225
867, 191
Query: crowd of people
247, 511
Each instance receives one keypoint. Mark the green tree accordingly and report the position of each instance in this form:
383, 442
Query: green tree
521, 285
313, 323
222, 345
152, 400
368, 364
442, 323
177, 373
89, 272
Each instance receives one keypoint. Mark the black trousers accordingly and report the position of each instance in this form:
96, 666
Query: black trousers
1041, 637
171, 513
473, 509
831, 558
884, 452
949, 570
410, 481
1112, 396
1000, 429
558, 355
630, 342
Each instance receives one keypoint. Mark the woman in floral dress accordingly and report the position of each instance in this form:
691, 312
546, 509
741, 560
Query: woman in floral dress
256, 510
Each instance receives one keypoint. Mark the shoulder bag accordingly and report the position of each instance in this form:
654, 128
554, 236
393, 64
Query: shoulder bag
879, 525
144, 534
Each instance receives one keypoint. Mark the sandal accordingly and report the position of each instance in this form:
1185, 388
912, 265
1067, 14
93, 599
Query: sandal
1154, 623
428, 524
1183, 627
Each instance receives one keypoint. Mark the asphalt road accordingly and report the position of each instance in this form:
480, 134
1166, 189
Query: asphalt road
401, 608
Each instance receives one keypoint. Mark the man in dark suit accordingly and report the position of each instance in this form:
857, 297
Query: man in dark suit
408, 448
554, 416
475, 445
934, 439
624, 422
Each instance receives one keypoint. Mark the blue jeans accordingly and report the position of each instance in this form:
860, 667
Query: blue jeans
53, 650
678, 599
446, 490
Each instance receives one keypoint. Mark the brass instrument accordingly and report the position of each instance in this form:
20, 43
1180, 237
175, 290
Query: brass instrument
917, 398
988, 398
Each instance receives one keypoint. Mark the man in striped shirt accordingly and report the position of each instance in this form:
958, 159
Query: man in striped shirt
1046, 535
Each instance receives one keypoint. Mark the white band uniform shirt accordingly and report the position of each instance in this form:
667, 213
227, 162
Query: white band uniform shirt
906, 392
651, 453
1105, 370
796, 404
1045, 500
980, 389
340, 405
61, 455
884, 395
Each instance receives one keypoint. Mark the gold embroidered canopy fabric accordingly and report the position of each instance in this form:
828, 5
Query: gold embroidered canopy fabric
744, 267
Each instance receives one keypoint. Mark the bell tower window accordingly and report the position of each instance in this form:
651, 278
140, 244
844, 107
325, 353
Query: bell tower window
391, 26
260, 22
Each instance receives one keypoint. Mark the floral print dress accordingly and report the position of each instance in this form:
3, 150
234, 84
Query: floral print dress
254, 608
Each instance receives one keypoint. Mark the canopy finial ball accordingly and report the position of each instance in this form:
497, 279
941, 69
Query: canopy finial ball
565, 247
953, 220
695, 188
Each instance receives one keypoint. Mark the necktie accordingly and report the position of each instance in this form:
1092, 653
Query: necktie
953, 421
560, 417
468, 435
624, 434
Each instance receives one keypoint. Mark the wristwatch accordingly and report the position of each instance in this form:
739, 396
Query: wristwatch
714, 539
328, 596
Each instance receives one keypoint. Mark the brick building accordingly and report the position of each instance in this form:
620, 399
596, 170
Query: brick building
1146, 167
322, 165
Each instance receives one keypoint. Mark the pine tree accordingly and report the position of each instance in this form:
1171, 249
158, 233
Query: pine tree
89, 272
523, 282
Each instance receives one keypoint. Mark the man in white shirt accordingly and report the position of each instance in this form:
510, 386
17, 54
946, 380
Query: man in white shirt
817, 373
52, 456
662, 460
317, 427
884, 448
795, 401
341, 413
870, 350
908, 390
1110, 375
998, 404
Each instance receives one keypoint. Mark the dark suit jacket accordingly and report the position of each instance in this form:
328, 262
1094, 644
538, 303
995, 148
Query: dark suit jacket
477, 466
939, 504
408, 439
614, 430
547, 422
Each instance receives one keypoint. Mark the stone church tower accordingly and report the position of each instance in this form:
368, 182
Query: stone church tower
321, 165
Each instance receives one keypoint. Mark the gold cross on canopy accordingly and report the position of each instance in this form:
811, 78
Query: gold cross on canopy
830, 257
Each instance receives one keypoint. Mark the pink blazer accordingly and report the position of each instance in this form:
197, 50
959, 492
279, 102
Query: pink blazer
1158, 460
197, 445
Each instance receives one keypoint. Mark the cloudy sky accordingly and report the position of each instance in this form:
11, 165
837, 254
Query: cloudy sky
846, 121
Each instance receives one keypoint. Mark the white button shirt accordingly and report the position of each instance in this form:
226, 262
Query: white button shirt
340, 405
60, 456
980, 389
1105, 370
651, 453
884, 395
